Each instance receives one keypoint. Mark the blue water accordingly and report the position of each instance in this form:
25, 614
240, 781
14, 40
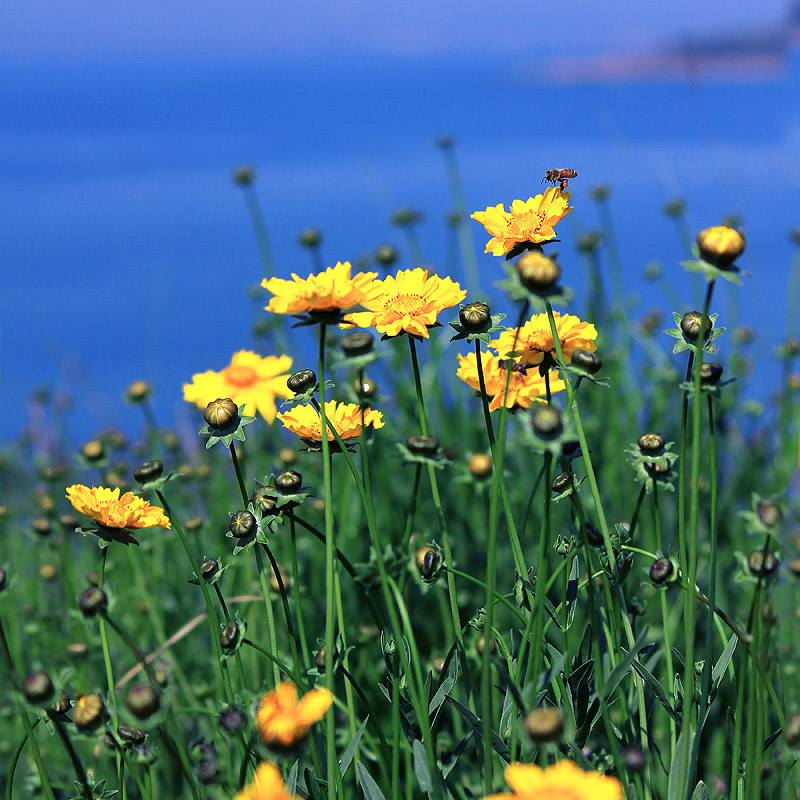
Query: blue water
126, 249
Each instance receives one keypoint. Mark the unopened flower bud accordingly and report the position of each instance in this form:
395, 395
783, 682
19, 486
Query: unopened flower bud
243, 524
92, 602
366, 387
77, 650
769, 513
474, 316
42, 527
68, 521
149, 471
48, 572
536, 271
428, 561
593, 535
283, 584
145, 754
207, 771
232, 721
62, 704
88, 712
692, 323
651, 444
142, 701
302, 381
760, 563
422, 445
221, 413
208, 569
130, 734
480, 645
661, 570
710, 373
264, 501
244, 175
544, 724
720, 245
406, 217
94, 450
37, 687
386, 255
357, 343
675, 208
480, 465
230, 635
321, 656
588, 242
635, 759
546, 421
586, 360
289, 482
600, 192
309, 238
193, 524
561, 482
138, 391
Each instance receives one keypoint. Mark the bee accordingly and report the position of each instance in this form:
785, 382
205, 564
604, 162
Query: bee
559, 176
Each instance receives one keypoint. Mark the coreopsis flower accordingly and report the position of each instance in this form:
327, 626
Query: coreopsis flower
331, 290
283, 721
112, 511
409, 301
562, 781
534, 340
267, 785
250, 379
344, 417
529, 221
525, 386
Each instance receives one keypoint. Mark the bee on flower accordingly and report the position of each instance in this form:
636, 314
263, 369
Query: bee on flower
283, 721
528, 222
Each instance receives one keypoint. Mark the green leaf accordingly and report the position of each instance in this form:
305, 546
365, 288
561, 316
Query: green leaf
658, 690
368, 785
347, 756
679, 770
623, 667
701, 792
421, 767
498, 745
447, 684
724, 660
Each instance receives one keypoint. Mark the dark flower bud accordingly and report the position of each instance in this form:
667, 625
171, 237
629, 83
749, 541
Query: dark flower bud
275, 585
474, 316
138, 391
651, 444
386, 255
200, 749
208, 569
593, 535
302, 381
244, 175
743, 334
536, 271
289, 482
193, 524
635, 759
229, 637
600, 192
453, 218
42, 527
561, 482
149, 471
588, 242
720, 245
760, 563
366, 387
428, 561
142, 701
92, 602
145, 754
357, 343
675, 208
480, 645
94, 450
309, 238
546, 421
37, 687
480, 465
544, 724
68, 521
77, 650
264, 501
62, 704
232, 721
586, 360
710, 373
769, 513
422, 445
661, 570
130, 734
243, 524
88, 712
221, 413
321, 656
207, 771
692, 323
405, 217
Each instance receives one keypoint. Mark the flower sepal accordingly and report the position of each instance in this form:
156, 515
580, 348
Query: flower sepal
519, 293
226, 435
570, 490
283, 500
706, 388
158, 483
333, 316
491, 326
653, 467
304, 398
711, 272
264, 526
554, 443
437, 460
356, 362
519, 248
582, 373
219, 572
681, 344
107, 535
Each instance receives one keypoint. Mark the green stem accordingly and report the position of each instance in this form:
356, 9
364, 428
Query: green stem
272, 638
298, 606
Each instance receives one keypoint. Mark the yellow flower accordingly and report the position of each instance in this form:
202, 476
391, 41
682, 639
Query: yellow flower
525, 387
109, 509
282, 721
248, 380
344, 417
562, 781
327, 291
535, 339
267, 785
530, 221
409, 302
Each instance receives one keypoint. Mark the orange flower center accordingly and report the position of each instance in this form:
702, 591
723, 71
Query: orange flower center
405, 304
240, 376
540, 342
529, 220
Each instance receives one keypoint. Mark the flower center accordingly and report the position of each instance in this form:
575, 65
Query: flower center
540, 342
528, 221
405, 304
240, 376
